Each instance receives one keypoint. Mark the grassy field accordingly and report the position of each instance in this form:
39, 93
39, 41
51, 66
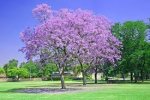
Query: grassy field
91, 92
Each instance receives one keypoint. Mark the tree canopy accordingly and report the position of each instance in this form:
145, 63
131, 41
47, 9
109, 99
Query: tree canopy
69, 35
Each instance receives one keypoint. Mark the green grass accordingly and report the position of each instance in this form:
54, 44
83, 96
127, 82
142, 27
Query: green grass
103, 91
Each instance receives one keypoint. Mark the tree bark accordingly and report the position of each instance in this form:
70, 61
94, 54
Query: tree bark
135, 77
123, 77
83, 73
96, 76
62, 81
61, 72
142, 76
131, 76
135, 80
84, 78
106, 79
147, 75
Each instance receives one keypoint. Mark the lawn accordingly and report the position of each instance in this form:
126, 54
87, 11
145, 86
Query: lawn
91, 92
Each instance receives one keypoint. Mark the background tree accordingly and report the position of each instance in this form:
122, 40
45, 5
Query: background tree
2, 71
23, 73
10, 65
17, 73
47, 70
13, 73
132, 34
31, 67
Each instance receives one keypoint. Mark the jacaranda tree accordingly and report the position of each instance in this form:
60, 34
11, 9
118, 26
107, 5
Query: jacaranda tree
69, 35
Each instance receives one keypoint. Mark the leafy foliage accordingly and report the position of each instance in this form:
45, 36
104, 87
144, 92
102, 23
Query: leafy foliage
135, 50
2, 71
31, 67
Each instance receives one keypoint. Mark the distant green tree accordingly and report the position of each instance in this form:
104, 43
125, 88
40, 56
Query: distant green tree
31, 67
23, 73
13, 73
17, 73
2, 71
47, 70
10, 65
132, 34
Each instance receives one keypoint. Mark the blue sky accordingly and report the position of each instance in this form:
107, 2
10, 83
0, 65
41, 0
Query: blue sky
16, 15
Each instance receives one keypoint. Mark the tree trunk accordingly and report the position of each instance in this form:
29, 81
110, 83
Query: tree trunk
142, 76
106, 79
131, 76
84, 78
83, 73
135, 77
147, 75
135, 80
18, 77
123, 77
61, 72
96, 76
62, 81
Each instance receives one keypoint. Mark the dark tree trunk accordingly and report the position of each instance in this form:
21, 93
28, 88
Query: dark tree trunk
83, 73
96, 76
18, 77
142, 70
61, 72
106, 79
84, 78
123, 77
147, 75
135, 77
135, 80
62, 81
142, 75
131, 76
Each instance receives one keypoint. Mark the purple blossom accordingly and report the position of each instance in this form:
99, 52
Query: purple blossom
70, 33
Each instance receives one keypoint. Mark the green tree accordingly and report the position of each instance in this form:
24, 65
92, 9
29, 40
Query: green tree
13, 73
10, 65
47, 70
17, 73
31, 67
23, 73
2, 71
132, 34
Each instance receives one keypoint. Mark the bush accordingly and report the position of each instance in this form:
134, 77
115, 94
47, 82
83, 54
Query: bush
16, 73
13, 73
23, 73
2, 71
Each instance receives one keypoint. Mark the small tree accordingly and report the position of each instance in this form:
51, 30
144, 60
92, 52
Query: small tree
48, 70
2, 71
11, 64
17, 73
23, 73
13, 73
31, 67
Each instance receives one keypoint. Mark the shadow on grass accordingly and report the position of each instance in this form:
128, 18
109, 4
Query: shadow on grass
57, 85
40, 90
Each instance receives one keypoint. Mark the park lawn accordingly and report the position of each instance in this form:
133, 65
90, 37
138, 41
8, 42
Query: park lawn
103, 91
